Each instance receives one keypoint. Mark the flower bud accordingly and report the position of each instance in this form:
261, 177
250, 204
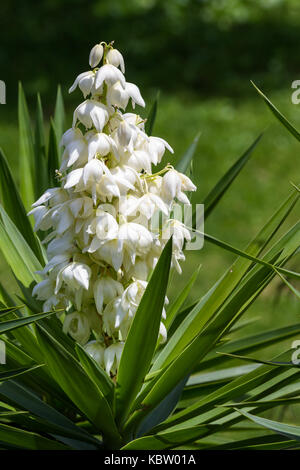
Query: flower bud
96, 55
77, 325
96, 350
112, 357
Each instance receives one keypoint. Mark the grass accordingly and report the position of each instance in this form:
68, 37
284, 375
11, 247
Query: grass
227, 128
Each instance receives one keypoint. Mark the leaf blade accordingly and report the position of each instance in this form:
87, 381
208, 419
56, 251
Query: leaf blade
133, 367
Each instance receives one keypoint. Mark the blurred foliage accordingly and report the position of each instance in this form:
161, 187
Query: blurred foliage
210, 46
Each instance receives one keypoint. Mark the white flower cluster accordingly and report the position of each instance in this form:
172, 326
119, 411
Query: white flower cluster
100, 246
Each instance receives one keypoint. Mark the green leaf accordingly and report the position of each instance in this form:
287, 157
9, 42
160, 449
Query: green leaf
14, 208
163, 410
250, 343
77, 441
180, 316
263, 403
287, 283
53, 158
207, 336
208, 305
7, 310
278, 114
253, 384
26, 156
167, 440
8, 414
7, 375
183, 164
264, 442
10, 325
17, 252
173, 310
79, 387
151, 116
244, 254
292, 432
27, 400
219, 375
225, 182
59, 115
214, 330
20, 439
195, 321
260, 361
22, 356
142, 337
96, 373
41, 177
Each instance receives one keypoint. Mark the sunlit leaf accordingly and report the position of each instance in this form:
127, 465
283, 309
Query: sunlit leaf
142, 337
26, 153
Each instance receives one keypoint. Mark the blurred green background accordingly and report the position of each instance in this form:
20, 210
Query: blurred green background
201, 54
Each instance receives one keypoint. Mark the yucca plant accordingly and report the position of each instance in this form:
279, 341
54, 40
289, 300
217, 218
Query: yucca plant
193, 391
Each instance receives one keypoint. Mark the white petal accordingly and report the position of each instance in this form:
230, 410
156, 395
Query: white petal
135, 94
73, 178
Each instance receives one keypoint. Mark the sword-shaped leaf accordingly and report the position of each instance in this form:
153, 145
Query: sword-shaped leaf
142, 337
26, 157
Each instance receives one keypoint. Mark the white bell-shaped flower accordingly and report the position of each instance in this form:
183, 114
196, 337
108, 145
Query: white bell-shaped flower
96, 350
112, 316
91, 113
73, 178
162, 333
81, 207
109, 74
75, 152
109, 252
92, 173
61, 245
117, 95
70, 135
105, 228
157, 147
41, 217
55, 195
74, 275
115, 58
112, 357
43, 290
102, 144
108, 188
147, 205
78, 326
139, 271
173, 185
85, 82
105, 290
